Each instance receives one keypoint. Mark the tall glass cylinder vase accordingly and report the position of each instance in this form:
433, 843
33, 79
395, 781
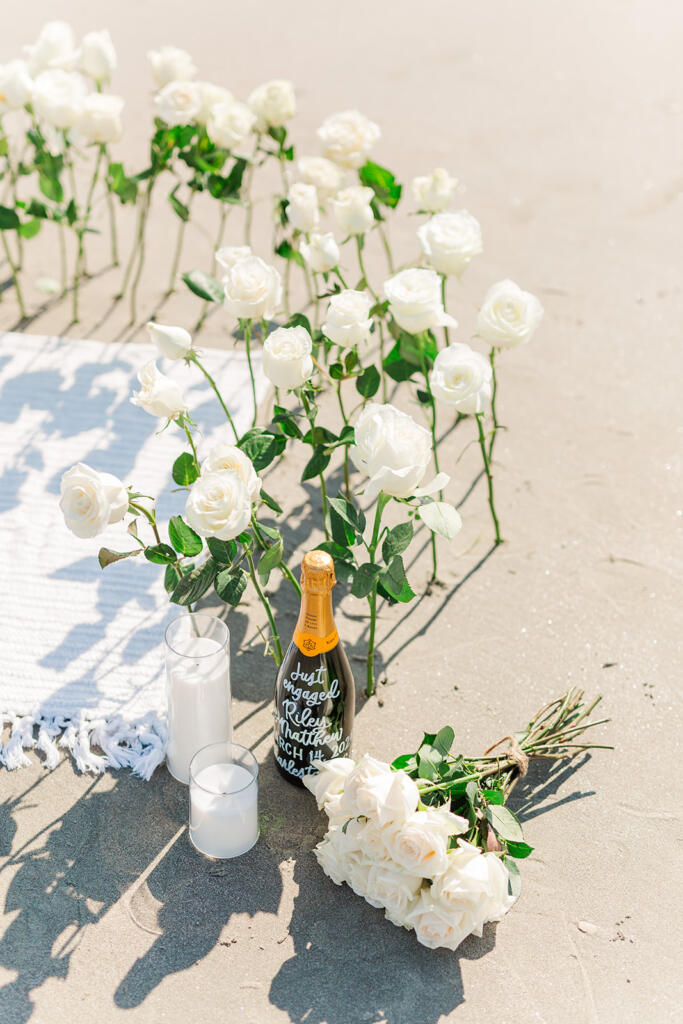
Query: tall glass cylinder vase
197, 688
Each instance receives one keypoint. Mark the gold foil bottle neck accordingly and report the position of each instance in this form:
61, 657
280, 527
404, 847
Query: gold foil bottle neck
317, 572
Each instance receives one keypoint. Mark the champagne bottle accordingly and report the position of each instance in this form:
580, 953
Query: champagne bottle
314, 690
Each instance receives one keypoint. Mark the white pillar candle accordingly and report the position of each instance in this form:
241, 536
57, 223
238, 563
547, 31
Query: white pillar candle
223, 810
198, 695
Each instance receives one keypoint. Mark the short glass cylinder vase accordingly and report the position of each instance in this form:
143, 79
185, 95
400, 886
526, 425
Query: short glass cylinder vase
224, 800
197, 688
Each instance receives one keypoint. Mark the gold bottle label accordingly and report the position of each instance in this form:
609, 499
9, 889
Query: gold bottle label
315, 631
311, 644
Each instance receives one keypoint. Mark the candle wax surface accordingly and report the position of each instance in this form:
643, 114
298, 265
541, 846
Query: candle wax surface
223, 778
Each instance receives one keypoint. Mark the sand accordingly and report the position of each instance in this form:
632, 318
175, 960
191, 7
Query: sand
563, 124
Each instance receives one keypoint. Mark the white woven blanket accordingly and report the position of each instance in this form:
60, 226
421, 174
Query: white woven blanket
82, 648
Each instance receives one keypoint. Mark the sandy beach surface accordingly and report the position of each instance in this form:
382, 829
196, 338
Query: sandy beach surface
563, 124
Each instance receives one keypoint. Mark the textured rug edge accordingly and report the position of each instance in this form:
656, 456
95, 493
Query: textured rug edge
138, 744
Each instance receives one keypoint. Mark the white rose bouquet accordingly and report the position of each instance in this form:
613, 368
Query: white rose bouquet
428, 838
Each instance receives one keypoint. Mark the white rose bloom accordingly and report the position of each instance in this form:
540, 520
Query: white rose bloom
100, 119
420, 843
302, 207
273, 103
415, 300
450, 241
358, 879
394, 452
348, 137
436, 927
366, 787
54, 48
171, 342
98, 55
475, 881
348, 321
434, 192
329, 778
224, 456
508, 316
321, 172
336, 815
170, 64
287, 361
159, 395
352, 209
253, 289
90, 500
218, 505
178, 103
462, 378
229, 255
330, 857
229, 125
58, 96
16, 86
401, 800
321, 252
212, 96
394, 889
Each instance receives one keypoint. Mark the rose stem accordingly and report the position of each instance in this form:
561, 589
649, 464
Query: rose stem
489, 479
492, 359
277, 656
370, 686
193, 358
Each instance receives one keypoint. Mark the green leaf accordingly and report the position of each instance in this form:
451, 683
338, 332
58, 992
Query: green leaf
493, 796
183, 538
123, 187
195, 584
261, 446
179, 208
405, 763
299, 320
71, 213
222, 551
397, 540
9, 219
37, 209
336, 371
204, 285
519, 850
342, 533
339, 552
397, 367
515, 879
441, 518
269, 559
382, 182
429, 760
170, 579
351, 360
354, 517
394, 581
268, 500
364, 579
443, 740
367, 384
184, 470
160, 554
30, 228
228, 188
50, 187
317, 463
106, 556
504, 822
345, 571
319, 435
288, 252
230, 584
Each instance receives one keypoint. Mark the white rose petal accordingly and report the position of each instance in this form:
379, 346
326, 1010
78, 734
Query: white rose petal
224, 456
90, 501
159, 395
436, 927
54, 48
352, 209
16, 86
287, 361
212, 96
435, 191
302, 207
321, 252
98, 55
462, 378
59, 96
229, 255
100, 120
171, 342
330, 855
178, 102
328, 781
321, 172
218, 505
253, 289
420, 843
394, 889
170, 64
475, 883
348, 137
273, 103
401, 800
450, 241
367, 787
508, 316
392, 450
230, 125
348, 321
415, 300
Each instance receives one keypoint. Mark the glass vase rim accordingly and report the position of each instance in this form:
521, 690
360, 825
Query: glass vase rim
196, 615
223, 743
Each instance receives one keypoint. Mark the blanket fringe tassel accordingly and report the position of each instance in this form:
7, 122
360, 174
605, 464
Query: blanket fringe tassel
140, 745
